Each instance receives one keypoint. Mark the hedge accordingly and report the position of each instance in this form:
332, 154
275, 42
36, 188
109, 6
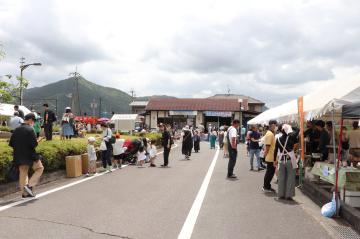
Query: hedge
4, 128
53, 152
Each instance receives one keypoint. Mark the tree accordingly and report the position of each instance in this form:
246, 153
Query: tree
5, 92
6, 88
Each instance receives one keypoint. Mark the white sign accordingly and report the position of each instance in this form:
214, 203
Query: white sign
183, 112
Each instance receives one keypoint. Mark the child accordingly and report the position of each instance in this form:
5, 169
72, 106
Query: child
141, 156
91, 156
153, 153
118, 150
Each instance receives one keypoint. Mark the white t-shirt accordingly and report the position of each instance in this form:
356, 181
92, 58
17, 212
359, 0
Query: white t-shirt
118, 147
232, 133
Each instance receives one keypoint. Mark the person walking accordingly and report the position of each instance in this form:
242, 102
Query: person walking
269, 156
221, 139
243, 133
196, 141
232, 137
284, 150
23, 141
255, 148
213, 136
187, 143
106, 153
15, 122
67, 122
49, 119
37, 126
166, 143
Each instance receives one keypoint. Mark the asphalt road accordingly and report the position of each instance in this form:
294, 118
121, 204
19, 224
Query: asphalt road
155, 202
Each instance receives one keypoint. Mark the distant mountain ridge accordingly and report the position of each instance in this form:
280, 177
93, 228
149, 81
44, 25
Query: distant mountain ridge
112, 100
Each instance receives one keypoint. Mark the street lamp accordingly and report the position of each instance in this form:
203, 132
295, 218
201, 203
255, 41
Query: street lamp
22, 68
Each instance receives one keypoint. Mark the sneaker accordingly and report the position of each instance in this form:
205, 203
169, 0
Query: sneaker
232, 176
251, 169
260, 169
268, 190
26, 196
88, 174
29, 191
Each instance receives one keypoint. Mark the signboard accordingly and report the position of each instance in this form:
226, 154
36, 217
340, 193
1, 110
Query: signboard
218, 113
183, 112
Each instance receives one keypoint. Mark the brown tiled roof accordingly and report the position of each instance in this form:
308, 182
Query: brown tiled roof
193, 104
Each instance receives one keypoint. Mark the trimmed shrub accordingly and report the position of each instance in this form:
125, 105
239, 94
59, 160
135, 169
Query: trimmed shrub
4, 128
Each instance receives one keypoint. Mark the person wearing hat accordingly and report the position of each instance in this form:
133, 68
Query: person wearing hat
23, 141
269, 156
187, 143
91, 156
284, 150
67, 122
49, 119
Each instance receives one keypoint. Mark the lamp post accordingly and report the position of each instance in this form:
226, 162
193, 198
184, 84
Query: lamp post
22, 68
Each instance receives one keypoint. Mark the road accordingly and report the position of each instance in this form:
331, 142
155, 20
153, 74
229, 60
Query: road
155, 203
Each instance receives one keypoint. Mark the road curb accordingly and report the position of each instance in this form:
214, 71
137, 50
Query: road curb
320, 196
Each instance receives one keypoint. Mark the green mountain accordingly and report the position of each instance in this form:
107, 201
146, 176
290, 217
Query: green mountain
60, 95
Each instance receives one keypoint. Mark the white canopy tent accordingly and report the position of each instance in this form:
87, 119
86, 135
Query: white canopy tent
8, 110
124, 122
332, 95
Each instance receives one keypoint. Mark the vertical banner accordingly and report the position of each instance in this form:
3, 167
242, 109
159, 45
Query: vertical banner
301, 122
302, 140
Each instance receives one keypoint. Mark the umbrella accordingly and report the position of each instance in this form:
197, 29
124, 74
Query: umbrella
103, 120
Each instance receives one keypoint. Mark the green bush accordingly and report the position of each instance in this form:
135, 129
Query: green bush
53, 152
4, 128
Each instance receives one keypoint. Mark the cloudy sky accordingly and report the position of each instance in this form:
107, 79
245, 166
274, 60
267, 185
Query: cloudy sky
270, 50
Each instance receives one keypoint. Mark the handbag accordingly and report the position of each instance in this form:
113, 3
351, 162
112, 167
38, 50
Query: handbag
103, 146
13, 172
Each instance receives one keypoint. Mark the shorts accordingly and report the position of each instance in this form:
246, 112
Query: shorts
118, 157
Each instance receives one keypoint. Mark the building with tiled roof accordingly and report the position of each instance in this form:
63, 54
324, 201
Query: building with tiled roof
216, 111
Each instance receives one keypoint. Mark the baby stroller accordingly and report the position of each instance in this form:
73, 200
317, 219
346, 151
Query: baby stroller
130, 154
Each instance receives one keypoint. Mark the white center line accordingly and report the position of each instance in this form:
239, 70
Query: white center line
40, 195
190, 221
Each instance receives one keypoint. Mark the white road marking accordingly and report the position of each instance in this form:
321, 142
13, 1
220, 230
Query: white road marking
40, 195
190, 221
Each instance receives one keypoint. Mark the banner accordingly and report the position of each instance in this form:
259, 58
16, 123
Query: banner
218, 113
183, 112
301, 121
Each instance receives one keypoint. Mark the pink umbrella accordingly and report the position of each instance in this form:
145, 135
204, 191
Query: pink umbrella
101, 120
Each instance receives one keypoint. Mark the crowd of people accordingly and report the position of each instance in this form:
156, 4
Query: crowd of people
273, 147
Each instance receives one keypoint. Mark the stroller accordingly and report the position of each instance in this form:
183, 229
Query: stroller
130, 155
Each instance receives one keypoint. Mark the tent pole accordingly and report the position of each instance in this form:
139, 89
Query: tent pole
337, 166
335, 156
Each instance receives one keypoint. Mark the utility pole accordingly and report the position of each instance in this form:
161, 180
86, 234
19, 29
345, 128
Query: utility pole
100, 107
76, 94
132, 92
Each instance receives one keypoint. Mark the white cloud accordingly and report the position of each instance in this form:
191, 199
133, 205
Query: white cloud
271, 50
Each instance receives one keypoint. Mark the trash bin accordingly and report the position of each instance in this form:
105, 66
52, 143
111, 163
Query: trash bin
73, 166
85, 163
